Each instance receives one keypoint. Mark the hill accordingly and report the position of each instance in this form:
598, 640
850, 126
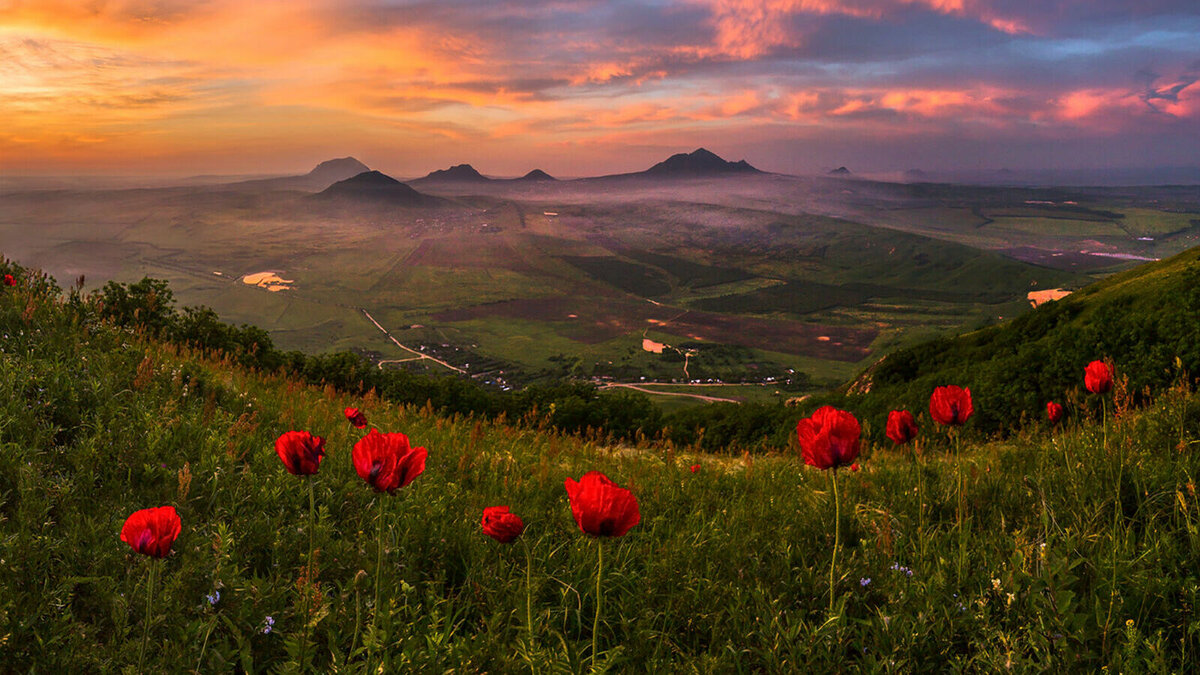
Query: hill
322, 176
537, 175
459, 173
1143, 319
1069, 550
700, 162
376, 187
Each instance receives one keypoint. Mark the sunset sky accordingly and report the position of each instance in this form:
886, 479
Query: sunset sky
582, 88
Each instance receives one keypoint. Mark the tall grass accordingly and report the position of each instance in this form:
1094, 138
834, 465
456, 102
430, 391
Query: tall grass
725, 573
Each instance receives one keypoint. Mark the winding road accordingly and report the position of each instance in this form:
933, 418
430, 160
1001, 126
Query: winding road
410, 350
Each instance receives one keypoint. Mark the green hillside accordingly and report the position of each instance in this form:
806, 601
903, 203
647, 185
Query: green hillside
1077, 550
1146, 320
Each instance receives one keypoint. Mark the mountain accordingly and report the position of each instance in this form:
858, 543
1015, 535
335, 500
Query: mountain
698, 163
373, 186
840, 171
333, 170
459, 173
537, 175
322, 176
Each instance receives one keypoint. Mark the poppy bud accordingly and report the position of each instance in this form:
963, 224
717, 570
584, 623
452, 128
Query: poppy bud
1054, 412
356, 417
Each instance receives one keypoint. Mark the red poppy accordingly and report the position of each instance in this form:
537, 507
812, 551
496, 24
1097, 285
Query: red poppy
601, 507
901, 427
854, 467
300, 451
9, 280
1097, 377
356, 417
695, 468
1054, 412
152, 531
501, 524
386, 461
950, 405
830, 438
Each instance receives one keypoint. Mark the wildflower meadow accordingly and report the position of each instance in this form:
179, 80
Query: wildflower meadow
164, 509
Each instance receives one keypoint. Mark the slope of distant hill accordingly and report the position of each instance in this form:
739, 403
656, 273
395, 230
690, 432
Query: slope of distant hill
373, 186
322, 176
537, 175
701, 162
459, 173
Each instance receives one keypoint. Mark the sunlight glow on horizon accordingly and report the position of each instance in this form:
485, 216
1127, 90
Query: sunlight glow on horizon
588, 88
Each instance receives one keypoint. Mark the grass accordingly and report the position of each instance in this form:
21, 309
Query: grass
1082, 554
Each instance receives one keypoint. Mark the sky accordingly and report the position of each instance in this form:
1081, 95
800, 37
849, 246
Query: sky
184, 87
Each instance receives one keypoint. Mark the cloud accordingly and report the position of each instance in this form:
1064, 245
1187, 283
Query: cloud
166, 77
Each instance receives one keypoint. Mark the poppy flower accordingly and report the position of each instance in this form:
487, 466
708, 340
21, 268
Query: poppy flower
9, 280
950, 405
386, 461
695, 468
300, 451
830, 438
601, 507
501, 524
1097, 377
1054, 412
854, 467
901, 427
356, 417
152, 531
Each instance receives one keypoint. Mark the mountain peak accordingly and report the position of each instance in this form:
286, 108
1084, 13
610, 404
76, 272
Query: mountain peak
700, 162
338, 169
538, 175
840, 171
458, 172
373, 186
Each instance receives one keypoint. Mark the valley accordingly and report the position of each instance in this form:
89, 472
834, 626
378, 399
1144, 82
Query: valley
785, 283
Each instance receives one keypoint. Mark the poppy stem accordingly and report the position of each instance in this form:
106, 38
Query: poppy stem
149, 606
308, 573
837, 535
962, 504
920, 495
378, 571
599, 597
528, 592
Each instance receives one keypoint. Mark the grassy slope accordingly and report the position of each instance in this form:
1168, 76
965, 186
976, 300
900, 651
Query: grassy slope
726, 572
1143, 319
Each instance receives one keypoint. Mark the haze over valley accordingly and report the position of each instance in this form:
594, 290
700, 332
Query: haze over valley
697, 270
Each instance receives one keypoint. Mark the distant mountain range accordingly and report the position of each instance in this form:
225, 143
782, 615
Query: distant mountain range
700, 162
465, 173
